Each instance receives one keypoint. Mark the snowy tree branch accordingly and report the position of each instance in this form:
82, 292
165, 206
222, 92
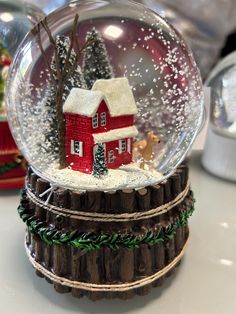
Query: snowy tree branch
72, 39
53, 42
43, 52
78, 55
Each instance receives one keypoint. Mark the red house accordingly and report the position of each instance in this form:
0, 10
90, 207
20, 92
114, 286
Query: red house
103, 115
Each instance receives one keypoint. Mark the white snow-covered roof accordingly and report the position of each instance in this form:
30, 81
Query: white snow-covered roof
116, 92
82, 101
118, 95
114, 135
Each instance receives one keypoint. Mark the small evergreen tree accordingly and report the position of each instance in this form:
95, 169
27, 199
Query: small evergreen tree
99, 165
63, 72
75, 79
96, 63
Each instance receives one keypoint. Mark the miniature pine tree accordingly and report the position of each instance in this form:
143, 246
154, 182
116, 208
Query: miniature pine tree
96, 63
75, 79
99, 165
64, 74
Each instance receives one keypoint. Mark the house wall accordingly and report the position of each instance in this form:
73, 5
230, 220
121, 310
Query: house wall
76, 123
73, 132
85, 123
116, 122
119, 159
121, 122
111, 122
80, 128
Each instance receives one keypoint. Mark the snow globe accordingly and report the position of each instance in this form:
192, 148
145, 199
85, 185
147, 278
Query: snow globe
16, 20
105, 100
222, 126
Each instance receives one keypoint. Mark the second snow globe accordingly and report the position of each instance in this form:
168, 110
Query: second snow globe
105, 100
16, 19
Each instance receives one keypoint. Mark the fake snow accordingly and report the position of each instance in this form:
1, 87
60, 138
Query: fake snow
126, 177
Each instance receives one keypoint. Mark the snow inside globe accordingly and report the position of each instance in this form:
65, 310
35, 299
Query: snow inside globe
104, 95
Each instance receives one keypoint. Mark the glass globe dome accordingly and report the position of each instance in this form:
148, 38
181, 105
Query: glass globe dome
142, 47
16, 19
222, 82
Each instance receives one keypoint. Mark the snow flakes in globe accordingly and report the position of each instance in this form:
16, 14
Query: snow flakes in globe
67, 96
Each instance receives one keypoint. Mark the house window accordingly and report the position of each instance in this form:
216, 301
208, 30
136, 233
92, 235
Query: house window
103, 119
122, 146
95, 121
111, 156
77, 148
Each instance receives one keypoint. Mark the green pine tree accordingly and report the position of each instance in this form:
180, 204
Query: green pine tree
96, 63
99, 165
75, 79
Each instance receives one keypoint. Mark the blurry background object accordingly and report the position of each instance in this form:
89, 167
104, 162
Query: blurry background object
49, 5
205, 25
16, 19
220, 149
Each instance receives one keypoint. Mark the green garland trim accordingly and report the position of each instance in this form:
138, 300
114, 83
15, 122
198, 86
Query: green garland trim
91, 241
8, 167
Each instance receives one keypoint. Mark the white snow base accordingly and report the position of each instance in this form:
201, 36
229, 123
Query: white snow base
126, 177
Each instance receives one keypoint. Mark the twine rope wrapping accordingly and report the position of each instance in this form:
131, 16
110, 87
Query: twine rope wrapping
105, 287
109, 217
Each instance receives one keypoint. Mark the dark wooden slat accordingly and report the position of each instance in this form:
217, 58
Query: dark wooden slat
143, 266
143, 199
60, 268
157, 195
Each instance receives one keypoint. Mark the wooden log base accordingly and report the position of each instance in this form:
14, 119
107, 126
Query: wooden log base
103, 272
94, 287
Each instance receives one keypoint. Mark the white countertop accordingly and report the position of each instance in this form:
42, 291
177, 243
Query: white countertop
205, 283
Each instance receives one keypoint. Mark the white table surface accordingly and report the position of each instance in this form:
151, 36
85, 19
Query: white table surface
205, 283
